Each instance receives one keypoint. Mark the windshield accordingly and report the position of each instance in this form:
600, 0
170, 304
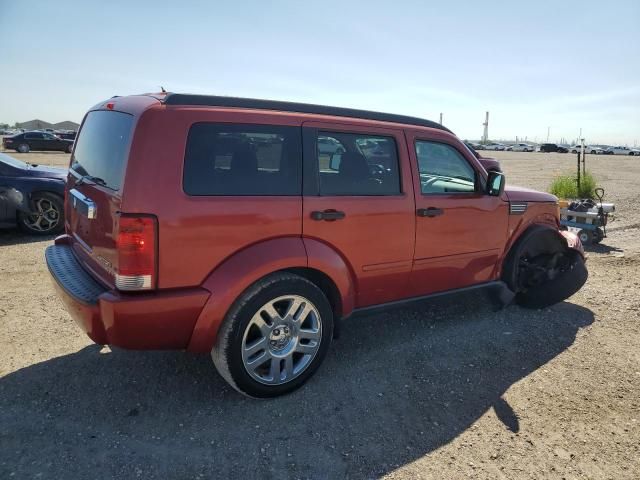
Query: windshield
102, 147
12, 161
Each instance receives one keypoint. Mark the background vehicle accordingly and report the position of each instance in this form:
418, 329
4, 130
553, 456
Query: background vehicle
619, 150
252, 242
495, 146
66, 134
474, 146
521, 147
25, 142
552, 147
31, 196
490, 164
587, 148
329, 145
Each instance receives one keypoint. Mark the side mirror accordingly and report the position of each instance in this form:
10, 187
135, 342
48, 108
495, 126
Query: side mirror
495, 183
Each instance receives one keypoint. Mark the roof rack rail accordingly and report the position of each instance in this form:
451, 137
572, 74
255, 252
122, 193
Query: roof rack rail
253, 103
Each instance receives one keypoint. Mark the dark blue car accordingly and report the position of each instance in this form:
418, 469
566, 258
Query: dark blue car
31, 196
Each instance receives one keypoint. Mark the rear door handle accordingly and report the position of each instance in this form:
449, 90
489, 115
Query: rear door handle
429, 212
327, 215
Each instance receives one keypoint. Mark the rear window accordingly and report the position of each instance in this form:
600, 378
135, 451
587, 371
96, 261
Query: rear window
223, 159
357, 164
102, 147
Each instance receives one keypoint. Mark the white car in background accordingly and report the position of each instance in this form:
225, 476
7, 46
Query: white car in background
495, 146
620, 150
521, 147
588, 149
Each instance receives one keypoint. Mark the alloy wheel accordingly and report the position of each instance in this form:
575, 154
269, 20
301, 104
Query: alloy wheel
45, 217
281, 340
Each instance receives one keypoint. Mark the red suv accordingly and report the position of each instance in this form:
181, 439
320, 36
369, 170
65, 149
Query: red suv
250, 228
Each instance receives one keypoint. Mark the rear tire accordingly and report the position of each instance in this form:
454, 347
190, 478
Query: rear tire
269, 345
23, 148
69, 148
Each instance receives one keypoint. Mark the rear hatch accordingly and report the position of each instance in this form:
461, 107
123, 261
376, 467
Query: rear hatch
94, 187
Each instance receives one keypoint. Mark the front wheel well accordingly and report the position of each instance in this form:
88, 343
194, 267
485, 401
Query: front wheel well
546, 239
36, 193
40, 192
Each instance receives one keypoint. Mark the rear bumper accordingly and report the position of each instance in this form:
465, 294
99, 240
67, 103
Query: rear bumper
145, 321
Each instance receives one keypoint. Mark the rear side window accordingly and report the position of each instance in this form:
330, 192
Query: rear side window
357, 164
224, 159
443, 169
102, 147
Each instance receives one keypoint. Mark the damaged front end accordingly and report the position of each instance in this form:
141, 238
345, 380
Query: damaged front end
545, 266
15, 199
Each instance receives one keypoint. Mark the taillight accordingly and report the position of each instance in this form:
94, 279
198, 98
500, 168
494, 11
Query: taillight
136, 253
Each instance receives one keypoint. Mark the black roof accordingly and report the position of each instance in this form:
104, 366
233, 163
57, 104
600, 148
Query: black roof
219, 101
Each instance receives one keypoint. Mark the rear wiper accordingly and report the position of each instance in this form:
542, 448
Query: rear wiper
91, 178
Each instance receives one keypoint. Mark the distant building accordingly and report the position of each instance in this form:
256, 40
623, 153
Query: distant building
34, 125
41, 124
66, 125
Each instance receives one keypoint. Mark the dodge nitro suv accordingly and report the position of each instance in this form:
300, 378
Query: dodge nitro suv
250, 229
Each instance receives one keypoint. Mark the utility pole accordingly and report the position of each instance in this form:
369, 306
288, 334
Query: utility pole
485, 135
440, 118
548, 133
584, 163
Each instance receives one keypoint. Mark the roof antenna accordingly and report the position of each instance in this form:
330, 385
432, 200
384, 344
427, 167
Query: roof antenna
162, 89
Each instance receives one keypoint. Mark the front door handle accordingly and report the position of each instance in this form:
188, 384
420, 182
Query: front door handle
429, 212
327, 215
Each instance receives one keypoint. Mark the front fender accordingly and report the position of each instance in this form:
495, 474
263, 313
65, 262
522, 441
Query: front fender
18, 191
14, 198
573, 242
548, 235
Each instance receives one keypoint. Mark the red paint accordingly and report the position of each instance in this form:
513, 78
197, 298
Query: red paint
210, 249
460, 247
237, 273
518, 194
380, 261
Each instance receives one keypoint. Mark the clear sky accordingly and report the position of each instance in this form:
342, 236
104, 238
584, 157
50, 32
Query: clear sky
537, 64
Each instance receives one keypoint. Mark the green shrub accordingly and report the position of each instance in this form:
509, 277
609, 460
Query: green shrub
566, 186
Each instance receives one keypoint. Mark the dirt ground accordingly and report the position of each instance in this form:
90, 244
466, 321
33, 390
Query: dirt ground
448, 390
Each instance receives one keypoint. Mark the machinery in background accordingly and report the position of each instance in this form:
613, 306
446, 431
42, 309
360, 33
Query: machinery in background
588, 217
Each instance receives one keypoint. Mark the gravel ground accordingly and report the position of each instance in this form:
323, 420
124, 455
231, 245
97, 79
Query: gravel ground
448, 390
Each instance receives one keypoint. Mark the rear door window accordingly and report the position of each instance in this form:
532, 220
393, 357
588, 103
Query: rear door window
357, 164
224, 159
102, 147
